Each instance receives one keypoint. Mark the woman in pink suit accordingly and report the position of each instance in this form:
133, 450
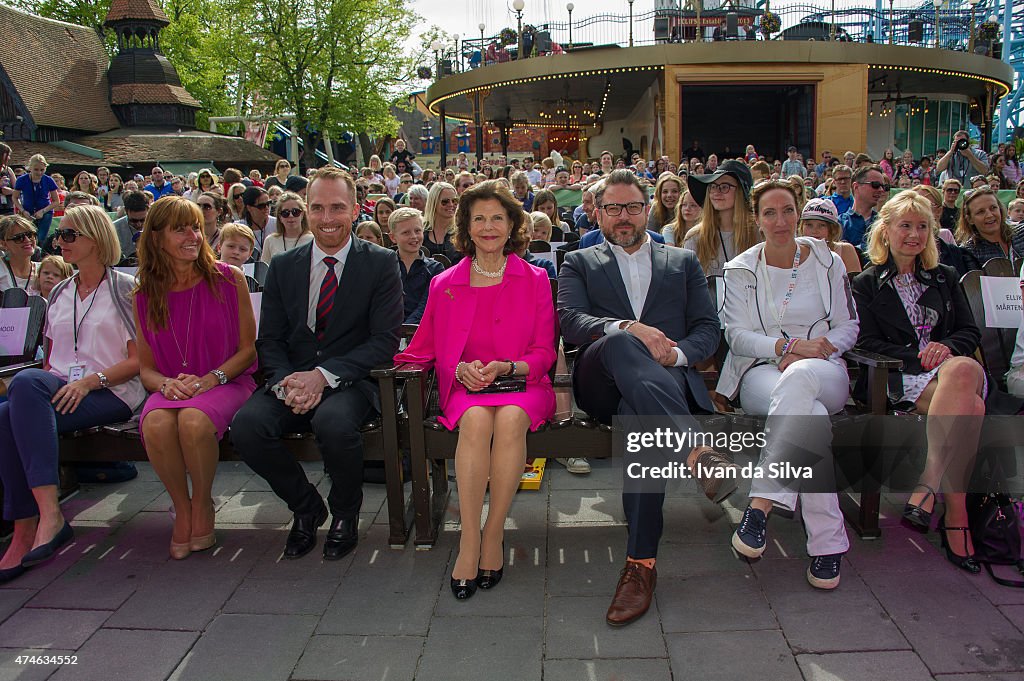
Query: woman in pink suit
490, 316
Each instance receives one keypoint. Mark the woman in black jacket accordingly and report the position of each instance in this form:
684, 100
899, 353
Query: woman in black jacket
912, 308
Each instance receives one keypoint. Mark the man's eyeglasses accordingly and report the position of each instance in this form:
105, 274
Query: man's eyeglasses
68, 236
449, 202
615, 209
290, 212
21, 238
721, 187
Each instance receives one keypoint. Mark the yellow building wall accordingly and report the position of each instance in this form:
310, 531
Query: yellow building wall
840, 98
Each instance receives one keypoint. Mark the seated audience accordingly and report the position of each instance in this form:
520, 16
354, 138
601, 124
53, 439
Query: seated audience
687, 217
727, 226
368, 230
666, 197
788, 320
491, 452
196, 334
983, 230
292, 227
18, 245
439, 221
52, 270
128, 227
89, 378
213, 207
406, 225
949, 252
236, 244
820, 220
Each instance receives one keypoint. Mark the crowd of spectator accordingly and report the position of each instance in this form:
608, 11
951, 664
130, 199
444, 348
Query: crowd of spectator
796, 234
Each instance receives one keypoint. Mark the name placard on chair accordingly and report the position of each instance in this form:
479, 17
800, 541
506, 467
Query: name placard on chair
13, 327
1002, 300
257, 302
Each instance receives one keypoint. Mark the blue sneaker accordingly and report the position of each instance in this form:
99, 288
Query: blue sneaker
749, 537
823, 572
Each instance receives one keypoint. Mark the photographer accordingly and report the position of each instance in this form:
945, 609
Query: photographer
962, 161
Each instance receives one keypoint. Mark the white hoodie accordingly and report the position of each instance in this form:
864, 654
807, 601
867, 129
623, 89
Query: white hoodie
751, 332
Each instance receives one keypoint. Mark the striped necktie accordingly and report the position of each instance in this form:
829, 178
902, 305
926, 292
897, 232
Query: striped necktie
325, 303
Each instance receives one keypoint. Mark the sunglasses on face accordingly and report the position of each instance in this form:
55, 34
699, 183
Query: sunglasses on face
262, 206
136, 223
449, 202
291, 212
68, 236
877, 185
21, 238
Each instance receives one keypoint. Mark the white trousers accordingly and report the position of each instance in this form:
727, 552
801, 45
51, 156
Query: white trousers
810, 387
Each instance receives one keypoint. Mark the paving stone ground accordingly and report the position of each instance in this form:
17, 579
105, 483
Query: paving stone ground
117, 605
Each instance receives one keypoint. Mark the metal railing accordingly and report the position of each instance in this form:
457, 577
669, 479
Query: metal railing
906, 23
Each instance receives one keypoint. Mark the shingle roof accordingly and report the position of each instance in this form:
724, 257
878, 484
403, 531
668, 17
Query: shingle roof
146, 10
59, 71
151, 93
22, 151
132, 149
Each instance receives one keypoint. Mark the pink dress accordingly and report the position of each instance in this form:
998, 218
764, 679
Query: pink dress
538, 401
206, 329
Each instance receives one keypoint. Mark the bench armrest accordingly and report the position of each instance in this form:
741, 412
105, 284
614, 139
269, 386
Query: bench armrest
873, 359
12, 369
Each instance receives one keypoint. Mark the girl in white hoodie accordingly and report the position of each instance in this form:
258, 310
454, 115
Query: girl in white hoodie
789, 318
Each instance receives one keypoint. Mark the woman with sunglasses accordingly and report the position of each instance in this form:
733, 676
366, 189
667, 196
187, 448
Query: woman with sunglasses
439, 221
197, 355
18, 240
236, 207
89, 378
213, 207
983, 230
292, 227
256, 214
206, 182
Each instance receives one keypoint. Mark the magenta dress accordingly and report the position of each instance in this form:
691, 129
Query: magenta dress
538, 401
213, 338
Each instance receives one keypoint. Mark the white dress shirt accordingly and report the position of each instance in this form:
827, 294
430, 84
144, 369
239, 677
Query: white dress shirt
317, 272
636, 270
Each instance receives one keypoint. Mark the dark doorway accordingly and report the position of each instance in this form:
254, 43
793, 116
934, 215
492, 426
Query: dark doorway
771, 117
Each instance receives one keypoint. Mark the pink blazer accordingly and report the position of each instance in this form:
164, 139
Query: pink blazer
523, 322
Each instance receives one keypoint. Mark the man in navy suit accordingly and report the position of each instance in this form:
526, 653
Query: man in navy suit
332, 310
641, 313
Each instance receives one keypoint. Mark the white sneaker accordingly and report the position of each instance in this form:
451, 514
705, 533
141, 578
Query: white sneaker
579, 466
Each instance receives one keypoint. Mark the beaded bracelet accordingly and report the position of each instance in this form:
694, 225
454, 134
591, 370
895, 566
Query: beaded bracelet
458, 376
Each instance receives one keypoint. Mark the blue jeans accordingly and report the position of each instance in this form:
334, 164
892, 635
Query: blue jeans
28, 435
43, 229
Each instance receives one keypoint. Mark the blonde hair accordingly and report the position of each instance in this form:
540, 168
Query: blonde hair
904, 203
372, 226
64, 268
94, 223
541, 219
38, 160
434, 202
965, 230
233, 230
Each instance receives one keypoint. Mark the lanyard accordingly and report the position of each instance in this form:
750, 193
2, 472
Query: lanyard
781, 311
77, 325
14, 278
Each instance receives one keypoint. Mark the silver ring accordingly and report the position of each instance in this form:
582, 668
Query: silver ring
174, 397
196, 386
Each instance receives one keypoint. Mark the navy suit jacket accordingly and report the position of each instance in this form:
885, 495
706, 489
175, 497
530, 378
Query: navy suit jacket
363, 328
591, 294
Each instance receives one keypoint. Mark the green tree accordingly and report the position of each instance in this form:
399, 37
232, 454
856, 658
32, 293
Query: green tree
335, 65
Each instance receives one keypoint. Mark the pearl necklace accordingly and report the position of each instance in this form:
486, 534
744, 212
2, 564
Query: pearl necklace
489, 275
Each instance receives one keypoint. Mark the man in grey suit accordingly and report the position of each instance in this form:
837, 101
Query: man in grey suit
332, 310
641, 313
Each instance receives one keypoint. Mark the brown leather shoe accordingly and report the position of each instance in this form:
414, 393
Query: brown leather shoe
716, 474
632, 595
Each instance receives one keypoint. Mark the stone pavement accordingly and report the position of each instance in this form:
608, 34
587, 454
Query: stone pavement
116, 601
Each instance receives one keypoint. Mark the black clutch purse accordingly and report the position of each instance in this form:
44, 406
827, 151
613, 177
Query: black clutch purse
503, 384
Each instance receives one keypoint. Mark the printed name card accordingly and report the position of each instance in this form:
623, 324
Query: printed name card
13, 328
130, 271
1001, 297
249, 269
257, 302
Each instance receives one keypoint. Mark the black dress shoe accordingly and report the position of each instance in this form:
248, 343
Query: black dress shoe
7, 574
41, 554
302, 537
488, 579
463, 589
341, 538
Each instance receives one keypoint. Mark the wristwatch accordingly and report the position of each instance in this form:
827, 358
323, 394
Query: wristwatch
511, 368
104, 383
221, 377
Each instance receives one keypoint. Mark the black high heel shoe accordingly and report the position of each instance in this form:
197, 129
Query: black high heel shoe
463, 589
916, 515
967, 562
488, 579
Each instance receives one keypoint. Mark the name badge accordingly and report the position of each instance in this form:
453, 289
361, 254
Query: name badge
76, 372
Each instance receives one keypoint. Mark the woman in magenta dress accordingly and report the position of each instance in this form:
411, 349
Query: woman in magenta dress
489, 316
197, 354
